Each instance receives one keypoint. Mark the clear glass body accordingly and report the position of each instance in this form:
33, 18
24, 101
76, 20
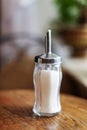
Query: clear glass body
47, 81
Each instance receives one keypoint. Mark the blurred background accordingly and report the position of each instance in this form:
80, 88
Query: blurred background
24, 24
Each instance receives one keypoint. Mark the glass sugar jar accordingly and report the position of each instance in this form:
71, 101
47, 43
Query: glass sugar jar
47, 81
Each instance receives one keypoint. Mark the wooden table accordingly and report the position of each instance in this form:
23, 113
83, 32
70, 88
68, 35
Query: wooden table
16, 113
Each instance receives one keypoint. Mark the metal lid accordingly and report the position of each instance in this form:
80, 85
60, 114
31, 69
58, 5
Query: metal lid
48, 57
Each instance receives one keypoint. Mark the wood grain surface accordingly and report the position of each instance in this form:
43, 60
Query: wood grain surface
16, 113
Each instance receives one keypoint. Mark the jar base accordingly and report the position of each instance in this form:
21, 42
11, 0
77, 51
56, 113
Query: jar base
45, 114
